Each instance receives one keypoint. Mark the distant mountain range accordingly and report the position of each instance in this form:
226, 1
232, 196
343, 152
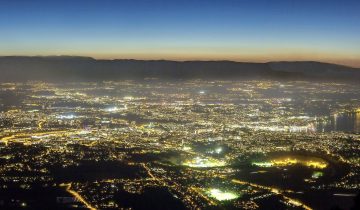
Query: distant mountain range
73, 68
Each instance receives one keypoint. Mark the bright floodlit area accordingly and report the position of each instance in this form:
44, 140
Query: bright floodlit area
221, 195
204, 162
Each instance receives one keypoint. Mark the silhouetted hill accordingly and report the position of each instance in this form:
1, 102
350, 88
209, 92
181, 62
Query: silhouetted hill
316, 69
72, 68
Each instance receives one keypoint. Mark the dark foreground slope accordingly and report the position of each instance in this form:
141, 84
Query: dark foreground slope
60, 68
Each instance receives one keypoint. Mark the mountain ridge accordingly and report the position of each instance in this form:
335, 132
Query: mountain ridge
79, 68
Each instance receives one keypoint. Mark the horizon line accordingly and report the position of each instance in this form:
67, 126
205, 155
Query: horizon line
187, 60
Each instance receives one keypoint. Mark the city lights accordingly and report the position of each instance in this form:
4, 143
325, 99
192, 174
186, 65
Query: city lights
201, 149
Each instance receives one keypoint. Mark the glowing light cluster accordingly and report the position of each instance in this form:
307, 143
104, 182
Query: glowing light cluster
68, 117
292, 161
199, 162
112, 109
317, 174
221, 195
115, 108
315, 164
216, 151
263, 164
186, 148
278, 128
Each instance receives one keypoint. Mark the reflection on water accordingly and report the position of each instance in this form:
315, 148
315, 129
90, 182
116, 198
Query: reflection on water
346, 122
357, 122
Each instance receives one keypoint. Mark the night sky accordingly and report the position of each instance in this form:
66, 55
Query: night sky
242, 30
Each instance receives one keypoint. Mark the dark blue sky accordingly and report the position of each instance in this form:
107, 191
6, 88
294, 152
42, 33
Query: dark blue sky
198, 29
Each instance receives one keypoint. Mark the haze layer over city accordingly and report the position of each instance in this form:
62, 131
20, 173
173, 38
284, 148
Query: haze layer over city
167, 105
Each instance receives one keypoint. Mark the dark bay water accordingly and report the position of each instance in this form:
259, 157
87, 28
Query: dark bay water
345, 122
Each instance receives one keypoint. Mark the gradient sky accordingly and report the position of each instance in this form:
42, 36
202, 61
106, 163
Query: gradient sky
241, 30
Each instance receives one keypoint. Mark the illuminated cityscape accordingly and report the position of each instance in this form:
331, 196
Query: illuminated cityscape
192, 144
179, 105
